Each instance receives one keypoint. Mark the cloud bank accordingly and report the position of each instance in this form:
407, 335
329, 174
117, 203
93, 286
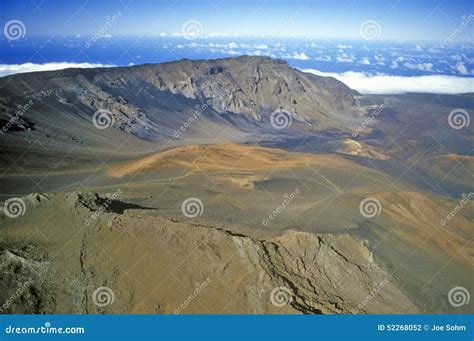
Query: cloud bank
363, 82
6, 69
386, 84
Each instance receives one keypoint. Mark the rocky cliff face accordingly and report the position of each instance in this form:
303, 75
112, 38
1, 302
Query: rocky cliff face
154, 100
150, 264
254, 86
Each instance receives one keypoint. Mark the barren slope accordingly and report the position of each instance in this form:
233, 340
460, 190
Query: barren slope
153, 265
226, 157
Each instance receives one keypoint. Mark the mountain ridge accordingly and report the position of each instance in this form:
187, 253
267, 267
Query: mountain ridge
241, 92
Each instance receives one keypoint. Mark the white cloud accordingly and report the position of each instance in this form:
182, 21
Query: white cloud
461, 68
300, 56
365, 61
386, 84
254, 53
421, 66
342, 59
218, 34
323, 58
6, 69
260, 46
379, 58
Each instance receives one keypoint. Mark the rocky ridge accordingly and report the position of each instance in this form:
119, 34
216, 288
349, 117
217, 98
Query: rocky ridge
147, 100
153, 264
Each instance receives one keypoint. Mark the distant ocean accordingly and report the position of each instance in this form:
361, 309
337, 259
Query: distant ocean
354, 59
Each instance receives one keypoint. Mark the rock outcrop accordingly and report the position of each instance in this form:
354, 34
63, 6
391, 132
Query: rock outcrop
152, 100
149, 264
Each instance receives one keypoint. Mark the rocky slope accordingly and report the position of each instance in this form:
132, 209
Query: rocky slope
144, 263
154, 100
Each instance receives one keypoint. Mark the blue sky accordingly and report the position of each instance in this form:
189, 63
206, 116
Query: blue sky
402, 20
384, 46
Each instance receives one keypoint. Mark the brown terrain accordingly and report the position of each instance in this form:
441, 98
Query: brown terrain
226, 157
153, 264
276, 221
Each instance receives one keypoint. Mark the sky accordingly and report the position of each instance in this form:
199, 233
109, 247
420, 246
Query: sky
383, 46
397, 19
